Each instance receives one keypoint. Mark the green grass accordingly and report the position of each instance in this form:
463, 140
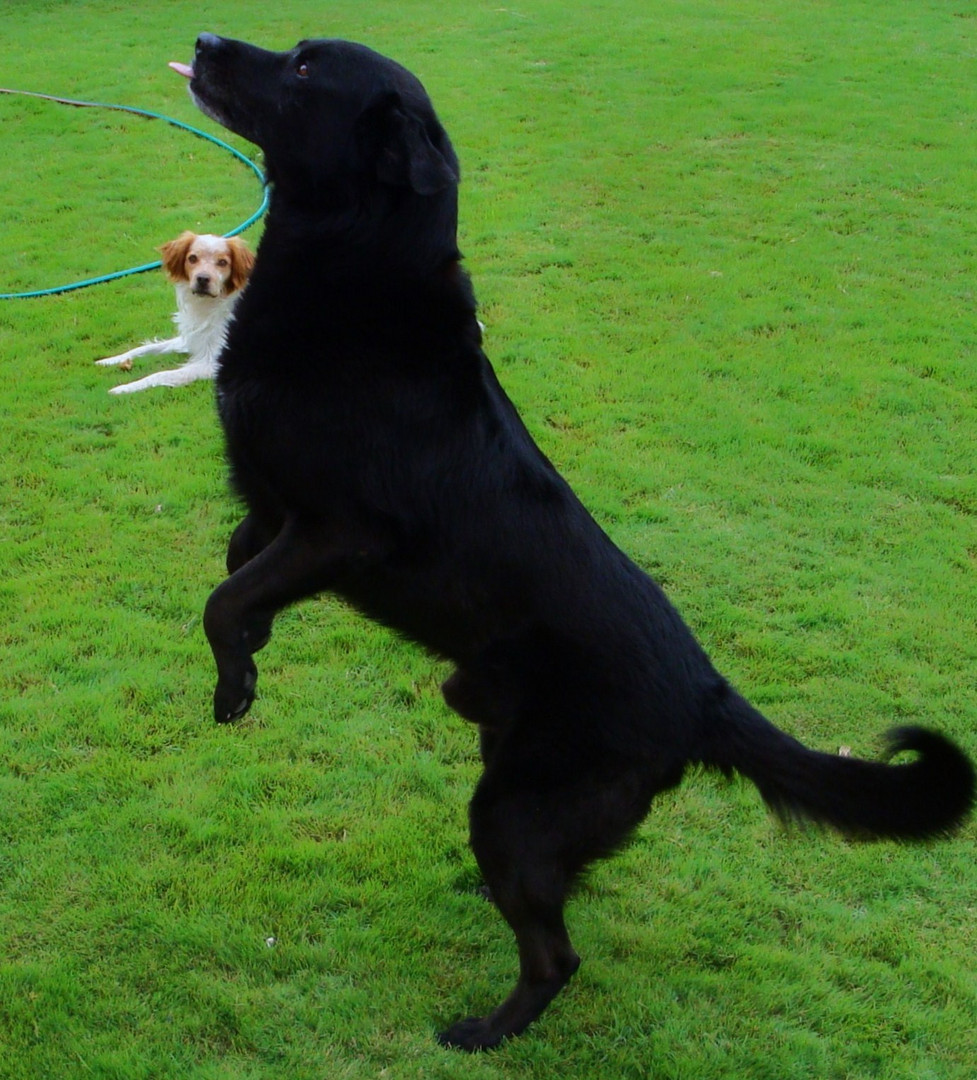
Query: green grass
726, 256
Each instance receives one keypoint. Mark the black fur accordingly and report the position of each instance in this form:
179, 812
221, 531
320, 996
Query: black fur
380, 459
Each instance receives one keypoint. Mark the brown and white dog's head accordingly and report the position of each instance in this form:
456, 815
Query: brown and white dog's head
214, 266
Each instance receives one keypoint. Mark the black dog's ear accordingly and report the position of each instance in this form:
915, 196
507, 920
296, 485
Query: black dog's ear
405, 154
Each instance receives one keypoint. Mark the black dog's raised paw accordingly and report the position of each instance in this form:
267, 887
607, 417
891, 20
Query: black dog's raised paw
232, 702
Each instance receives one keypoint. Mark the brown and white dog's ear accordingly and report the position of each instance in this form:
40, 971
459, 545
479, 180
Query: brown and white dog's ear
174, 254
242, 263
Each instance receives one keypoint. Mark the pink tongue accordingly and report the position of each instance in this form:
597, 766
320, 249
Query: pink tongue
182, 69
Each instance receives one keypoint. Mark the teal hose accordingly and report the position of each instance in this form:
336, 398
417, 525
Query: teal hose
151, 116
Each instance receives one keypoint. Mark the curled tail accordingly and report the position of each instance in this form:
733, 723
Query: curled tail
926, 797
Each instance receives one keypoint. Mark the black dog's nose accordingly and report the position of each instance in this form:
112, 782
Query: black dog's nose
208, 41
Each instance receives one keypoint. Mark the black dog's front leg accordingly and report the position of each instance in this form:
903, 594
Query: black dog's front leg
249, 539
238, 616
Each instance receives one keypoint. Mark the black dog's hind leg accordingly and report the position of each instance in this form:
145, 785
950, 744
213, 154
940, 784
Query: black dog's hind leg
529, 886
482, 692
543, 810
239, 613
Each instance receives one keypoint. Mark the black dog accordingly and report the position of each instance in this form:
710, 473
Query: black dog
380, 459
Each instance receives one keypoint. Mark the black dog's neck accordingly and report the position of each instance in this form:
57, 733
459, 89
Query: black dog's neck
378, 285
354, 240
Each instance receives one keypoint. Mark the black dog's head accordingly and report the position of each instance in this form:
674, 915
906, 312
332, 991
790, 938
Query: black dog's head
332, 117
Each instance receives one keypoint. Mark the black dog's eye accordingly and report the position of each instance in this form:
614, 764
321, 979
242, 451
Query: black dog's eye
302, 70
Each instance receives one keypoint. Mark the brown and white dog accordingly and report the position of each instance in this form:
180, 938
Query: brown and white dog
209, 273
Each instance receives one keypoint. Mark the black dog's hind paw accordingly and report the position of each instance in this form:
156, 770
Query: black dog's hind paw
474, 1034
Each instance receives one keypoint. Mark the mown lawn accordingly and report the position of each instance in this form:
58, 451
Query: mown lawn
726, 254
